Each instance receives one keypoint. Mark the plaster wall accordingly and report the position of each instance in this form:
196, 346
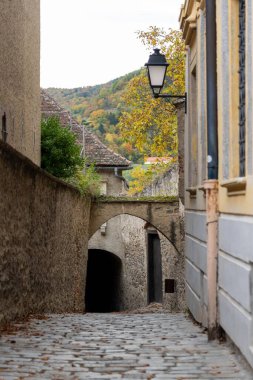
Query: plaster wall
109, 238
114, 185
235, 227
43, 240
20, 75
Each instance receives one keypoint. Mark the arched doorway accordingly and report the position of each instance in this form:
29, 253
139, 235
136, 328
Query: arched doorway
103, 283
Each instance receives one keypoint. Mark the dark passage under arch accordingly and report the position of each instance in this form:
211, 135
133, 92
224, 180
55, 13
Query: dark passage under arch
155, 291
103, 283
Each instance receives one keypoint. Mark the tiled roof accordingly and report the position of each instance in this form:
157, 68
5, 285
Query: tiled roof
94, 149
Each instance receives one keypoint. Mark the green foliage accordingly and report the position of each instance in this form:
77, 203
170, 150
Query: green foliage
99, 108
88, 182
158, 199
60, 154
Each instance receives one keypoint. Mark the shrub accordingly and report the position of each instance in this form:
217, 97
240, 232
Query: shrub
60, 154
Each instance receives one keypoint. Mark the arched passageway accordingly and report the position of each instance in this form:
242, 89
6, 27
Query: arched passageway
103, 284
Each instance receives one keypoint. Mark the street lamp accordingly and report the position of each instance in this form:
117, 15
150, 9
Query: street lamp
157, 68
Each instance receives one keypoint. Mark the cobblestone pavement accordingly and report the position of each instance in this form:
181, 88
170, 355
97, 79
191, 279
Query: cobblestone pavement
115, 346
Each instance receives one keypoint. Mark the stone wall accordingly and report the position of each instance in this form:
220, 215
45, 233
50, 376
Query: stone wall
164, 185
43, 240
135, 262
173, 264
134, 235
20, 76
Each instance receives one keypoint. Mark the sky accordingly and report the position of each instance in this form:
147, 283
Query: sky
88, 42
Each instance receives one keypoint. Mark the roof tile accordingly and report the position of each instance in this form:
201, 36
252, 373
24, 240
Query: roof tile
94, 149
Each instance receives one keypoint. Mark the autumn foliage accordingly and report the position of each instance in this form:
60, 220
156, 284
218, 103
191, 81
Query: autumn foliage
150, 124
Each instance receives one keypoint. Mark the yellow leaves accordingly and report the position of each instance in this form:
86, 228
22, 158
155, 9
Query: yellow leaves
142, 176
110, 137
151, 124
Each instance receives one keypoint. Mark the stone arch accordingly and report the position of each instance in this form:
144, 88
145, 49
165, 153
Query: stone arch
163, 216
135, 286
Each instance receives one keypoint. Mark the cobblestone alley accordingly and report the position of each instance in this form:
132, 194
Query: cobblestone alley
115, 346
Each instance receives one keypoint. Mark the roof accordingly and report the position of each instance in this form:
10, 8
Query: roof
95, 151
157, 160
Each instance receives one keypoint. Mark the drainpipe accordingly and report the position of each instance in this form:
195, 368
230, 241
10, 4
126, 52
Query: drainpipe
122, 178
211, 79
211, 184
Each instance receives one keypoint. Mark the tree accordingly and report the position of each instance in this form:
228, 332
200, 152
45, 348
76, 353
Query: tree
150, 124
142, 176
60, 154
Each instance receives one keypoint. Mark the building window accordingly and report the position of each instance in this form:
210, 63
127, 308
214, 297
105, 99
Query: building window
242, 87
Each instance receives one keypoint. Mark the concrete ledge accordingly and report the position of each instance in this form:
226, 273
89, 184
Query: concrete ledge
193, 278
193, 303
234, 278
235, 236
195, 225
237, 323
195, 251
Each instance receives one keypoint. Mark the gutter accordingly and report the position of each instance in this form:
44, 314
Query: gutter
114, 167
121, 177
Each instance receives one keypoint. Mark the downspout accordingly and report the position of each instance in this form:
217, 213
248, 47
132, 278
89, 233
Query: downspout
211, 184
211, 81
122, 178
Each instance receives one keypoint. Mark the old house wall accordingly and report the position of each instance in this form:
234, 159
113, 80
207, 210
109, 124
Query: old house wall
195, 161
43, 240
232, 293
20, 76
235, 254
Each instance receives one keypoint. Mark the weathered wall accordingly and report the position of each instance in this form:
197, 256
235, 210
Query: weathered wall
109, 238
114, 185
173, 265
165, 185
134, 235
43, 240
20, 75
135, 263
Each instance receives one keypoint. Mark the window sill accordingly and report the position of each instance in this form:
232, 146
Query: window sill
235, 186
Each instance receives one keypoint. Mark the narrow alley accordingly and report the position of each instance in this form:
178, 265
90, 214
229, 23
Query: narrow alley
116, 346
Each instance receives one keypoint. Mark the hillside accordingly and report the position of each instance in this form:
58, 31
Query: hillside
99, 107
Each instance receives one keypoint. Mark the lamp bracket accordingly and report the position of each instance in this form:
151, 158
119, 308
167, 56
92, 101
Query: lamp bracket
167, 96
